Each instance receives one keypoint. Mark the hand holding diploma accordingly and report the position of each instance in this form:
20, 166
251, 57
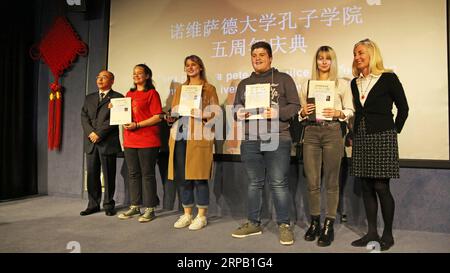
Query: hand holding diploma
270, 113
196, 113
307, 110
242, 114
332, 113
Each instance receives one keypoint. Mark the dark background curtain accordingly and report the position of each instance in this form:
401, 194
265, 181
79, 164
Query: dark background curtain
18, 101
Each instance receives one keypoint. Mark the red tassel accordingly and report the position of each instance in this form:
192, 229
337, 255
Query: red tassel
51, 118
57, 132
54, 117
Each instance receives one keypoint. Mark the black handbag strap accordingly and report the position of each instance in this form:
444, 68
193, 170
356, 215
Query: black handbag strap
302, 134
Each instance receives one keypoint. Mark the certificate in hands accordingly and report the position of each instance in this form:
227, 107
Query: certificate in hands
323, 92
257, 98
120, 111
190, 98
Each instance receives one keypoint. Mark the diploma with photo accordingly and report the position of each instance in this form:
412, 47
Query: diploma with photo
190, 98
323, 94
257, 98
120, 111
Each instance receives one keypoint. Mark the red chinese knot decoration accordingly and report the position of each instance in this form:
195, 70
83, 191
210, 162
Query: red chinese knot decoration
58, 49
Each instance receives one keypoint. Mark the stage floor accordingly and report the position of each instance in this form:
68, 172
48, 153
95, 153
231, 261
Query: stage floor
48, 224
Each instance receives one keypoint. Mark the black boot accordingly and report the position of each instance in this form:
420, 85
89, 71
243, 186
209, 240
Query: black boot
327, 233
314, 228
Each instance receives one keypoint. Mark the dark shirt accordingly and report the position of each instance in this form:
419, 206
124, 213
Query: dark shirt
377, 109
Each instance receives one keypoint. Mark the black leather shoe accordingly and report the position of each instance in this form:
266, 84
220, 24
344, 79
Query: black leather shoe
110, 212
385, 245
363, 241
314, 229
327, 233
89, 211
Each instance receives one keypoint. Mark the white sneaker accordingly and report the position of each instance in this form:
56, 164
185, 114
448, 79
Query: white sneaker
184, 221
198, 223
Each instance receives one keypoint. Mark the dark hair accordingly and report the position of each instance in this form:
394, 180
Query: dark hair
196, 59
111, 75
149, 82
262, 44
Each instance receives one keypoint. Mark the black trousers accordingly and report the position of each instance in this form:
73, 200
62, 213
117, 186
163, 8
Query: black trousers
107, 163
141, 164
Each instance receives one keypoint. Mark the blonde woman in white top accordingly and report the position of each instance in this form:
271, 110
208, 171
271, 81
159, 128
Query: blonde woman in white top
324, 145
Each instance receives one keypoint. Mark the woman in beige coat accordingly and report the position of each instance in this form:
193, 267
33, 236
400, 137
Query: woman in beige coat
191, 146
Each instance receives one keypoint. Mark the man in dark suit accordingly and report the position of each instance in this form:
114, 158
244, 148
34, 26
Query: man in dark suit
101, 144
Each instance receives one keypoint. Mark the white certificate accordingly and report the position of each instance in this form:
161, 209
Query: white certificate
190, 98
257, 96
323, 92
120, 111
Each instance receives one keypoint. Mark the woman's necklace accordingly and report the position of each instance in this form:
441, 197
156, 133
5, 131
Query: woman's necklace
363, 92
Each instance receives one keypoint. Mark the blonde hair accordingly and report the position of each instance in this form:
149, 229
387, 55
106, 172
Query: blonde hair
376, 66
331, 54
196, 59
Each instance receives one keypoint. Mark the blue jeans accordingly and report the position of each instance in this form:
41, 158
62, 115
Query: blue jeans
187, 186
201, 191
275, 166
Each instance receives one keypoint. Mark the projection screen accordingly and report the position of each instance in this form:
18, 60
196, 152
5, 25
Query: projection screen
412, 36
